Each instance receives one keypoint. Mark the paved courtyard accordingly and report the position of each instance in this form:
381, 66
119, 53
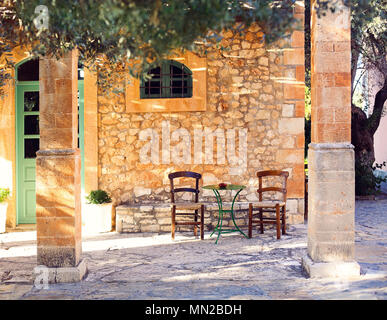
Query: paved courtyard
150, 266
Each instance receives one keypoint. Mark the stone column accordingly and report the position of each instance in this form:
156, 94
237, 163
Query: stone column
331, 239
58, 167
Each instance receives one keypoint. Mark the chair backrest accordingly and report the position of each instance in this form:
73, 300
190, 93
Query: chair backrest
185, 174
273, 173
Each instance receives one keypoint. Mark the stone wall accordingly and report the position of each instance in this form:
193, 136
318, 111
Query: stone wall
249, 86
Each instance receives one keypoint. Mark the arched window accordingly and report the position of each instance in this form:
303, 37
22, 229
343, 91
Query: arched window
171, 80
28, 71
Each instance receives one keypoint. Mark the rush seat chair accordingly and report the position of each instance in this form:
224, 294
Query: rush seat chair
269, 211
193, 207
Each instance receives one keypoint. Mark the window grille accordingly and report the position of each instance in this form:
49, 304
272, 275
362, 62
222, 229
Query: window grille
171, 80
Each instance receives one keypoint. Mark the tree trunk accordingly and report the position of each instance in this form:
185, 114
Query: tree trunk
362, 131
380, 99
361, 136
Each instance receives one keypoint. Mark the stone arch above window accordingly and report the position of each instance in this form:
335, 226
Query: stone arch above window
170, 80
191, 96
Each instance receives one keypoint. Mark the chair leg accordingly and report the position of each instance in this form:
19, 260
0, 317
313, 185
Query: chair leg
261, 219
278, 221
173, 226
250, 231
284, 219
196, 226
202, 222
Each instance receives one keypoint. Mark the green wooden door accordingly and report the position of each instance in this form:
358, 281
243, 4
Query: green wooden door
27, 133
27, 143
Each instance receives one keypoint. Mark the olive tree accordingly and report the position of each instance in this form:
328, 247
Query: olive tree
132, 35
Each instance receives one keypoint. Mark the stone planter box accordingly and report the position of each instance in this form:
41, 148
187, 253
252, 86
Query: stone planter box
97, 218
3, 216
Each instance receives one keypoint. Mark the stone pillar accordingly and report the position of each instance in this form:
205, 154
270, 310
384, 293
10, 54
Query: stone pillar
331, 238
58, 167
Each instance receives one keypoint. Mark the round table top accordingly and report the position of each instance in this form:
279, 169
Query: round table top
228, 187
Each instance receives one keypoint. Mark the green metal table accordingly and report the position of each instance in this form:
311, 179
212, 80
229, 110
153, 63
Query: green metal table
219, 227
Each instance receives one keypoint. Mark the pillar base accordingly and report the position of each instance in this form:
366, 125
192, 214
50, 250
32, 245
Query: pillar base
45, 274
337, 269
331, 202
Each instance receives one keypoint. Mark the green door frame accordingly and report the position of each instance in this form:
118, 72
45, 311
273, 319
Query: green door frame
21, 87
23, 175
81, 121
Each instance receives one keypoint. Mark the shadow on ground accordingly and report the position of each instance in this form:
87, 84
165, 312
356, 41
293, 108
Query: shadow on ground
152, 266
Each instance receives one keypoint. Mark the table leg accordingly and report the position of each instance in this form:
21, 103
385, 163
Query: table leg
221, 224
232, 213
220, 216
219, 202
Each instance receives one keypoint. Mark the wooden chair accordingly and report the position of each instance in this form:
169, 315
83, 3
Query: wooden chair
187, 206
270, 211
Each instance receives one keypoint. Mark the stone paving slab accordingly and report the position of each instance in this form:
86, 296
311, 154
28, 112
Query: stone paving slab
152, 266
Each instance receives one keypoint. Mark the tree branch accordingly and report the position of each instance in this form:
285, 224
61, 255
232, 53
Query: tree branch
357, 82
380, 98
355, 58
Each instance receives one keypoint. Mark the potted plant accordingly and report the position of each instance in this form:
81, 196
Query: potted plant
97, 213
4, 196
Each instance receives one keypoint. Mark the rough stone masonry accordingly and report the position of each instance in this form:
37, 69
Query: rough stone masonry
249, 85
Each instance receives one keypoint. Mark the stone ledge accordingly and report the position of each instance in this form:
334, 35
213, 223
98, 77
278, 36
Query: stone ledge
370, 197
155, 217
339, 269
329, 146
45, 274
57, 152
144, 207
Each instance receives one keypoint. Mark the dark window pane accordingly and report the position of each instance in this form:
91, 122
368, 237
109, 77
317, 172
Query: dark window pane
30, 148
154, 84
31, 124
155, 91
180, 91
31, 101
153, 87
179, 83
155, 72
29, 71
180, 87
176, 71
177, 90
